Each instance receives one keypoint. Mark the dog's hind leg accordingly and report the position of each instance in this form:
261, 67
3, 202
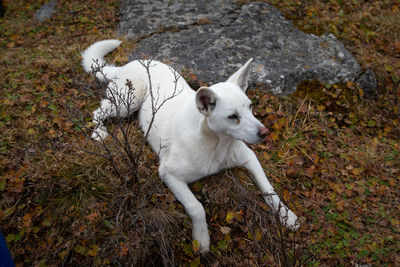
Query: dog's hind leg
193, 208
121, 101
105, 111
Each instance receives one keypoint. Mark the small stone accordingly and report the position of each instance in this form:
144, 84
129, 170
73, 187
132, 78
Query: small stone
367, 81
46, 11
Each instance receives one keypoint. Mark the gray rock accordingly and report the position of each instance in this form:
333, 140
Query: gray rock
143, 18
214, 38
46, 11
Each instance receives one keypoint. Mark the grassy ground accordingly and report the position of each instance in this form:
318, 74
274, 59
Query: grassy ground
333, 155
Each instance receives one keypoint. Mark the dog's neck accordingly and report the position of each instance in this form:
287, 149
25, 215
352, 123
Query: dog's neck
222, 142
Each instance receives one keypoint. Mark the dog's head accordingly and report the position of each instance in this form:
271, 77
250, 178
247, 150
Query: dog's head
228, 110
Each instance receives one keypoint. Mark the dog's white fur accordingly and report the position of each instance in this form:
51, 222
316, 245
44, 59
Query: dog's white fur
195, 133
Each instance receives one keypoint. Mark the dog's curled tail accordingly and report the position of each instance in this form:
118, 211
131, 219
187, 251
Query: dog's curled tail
94, 56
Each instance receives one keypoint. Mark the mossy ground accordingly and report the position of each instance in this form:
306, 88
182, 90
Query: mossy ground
333, 155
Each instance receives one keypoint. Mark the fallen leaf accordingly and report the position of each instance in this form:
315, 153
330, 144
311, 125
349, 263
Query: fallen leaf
225, 230
92, 216
94, 250
27, 220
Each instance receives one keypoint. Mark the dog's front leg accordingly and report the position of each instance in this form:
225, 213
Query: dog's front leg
193, 208
271, 198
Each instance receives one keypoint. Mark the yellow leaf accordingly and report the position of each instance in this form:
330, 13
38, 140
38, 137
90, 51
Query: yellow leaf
249, 235
94, 250
273, 136
80, 249
357, 171
229, 216
237, 215
268, 110
62, 254
395, 222
361, 92
258, 234
195, 246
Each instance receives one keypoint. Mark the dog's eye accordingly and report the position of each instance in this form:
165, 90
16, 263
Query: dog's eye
250, 106
233, 117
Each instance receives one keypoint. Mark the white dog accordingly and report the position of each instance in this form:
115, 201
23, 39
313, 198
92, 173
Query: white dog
195, 133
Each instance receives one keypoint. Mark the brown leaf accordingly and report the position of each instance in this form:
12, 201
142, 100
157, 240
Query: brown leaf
309, 172
92, 216
292, 170
340, 205
286, 195
303, 108
27, 219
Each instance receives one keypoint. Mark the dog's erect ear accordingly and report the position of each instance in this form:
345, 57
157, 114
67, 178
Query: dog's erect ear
241, 76
205, 100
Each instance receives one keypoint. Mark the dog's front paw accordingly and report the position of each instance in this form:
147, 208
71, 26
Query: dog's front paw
289, 219
202, 236
204, 244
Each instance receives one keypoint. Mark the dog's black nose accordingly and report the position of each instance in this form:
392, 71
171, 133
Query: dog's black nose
262, 132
